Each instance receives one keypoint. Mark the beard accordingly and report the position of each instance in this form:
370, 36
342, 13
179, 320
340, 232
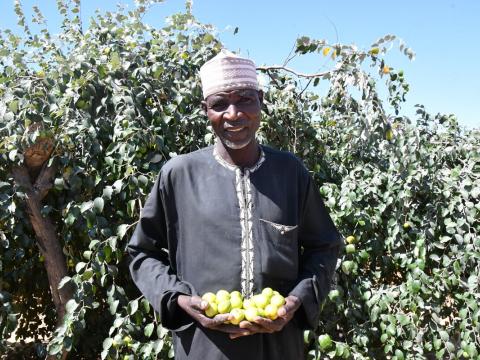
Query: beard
235, 146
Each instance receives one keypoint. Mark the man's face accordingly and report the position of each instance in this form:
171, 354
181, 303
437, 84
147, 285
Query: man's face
235, 116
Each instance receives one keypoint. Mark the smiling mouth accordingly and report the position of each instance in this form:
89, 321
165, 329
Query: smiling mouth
235, 129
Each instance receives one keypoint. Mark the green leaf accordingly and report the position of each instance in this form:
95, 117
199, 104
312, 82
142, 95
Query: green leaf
87, 275
55, 348
86, 206
133, 305
64, 281
145, 305
71, 305
149, 330
121, 230
98, 204
80, 266
107, 343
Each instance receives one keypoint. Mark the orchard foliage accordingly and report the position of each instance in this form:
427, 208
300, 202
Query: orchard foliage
110, 103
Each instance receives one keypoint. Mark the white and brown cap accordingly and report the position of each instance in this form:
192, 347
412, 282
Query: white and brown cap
227, 71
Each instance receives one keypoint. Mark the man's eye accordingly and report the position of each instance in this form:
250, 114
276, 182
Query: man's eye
218, 106
245, 100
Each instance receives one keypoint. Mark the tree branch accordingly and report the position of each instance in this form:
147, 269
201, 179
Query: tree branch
307, 76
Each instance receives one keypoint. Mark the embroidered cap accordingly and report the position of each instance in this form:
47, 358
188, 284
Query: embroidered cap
227, 71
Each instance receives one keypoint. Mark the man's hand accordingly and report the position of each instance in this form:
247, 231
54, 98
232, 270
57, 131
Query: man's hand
195, 307
262, 325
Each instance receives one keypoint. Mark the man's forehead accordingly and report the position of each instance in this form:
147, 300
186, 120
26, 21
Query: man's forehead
239, 92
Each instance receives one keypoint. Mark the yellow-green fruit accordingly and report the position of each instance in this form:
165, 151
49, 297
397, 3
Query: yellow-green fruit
268, 292
271, 311
389, 135
212, 310
251, 314
236, 294
351, 239
325, 341
260, 301
277, 300
275, 292
248, 303
238, 316
222, 295
209, 297
350, 248
406, 226
261, 312
236, 302
347, 266
223, 307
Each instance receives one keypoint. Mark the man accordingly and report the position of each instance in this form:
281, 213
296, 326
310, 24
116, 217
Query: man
234, 216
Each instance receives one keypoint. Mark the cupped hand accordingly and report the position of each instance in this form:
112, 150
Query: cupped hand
195, 307
263, 325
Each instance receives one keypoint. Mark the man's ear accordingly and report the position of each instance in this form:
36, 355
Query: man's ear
260, 96
204, 107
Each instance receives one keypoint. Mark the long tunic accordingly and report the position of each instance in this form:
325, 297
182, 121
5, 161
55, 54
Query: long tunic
209, 225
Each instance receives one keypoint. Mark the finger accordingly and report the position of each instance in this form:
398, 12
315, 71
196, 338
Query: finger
198, 304
219, 319
292, 304
271, 325
253, 327
266, 323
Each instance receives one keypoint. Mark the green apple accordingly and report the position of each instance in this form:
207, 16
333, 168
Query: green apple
222, 295
325, 341
238, 315
333, 294
236, 302
275, 292
350, 249
261, 312
251, 313
248, 303
277, 300
348, 266
224, 306
271, 311
236, 294
212, 310
268, 292
209, 297
260, 301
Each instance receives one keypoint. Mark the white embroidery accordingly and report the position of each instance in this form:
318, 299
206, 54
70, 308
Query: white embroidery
244, 195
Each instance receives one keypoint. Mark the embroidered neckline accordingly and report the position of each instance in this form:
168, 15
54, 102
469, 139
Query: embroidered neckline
232, 167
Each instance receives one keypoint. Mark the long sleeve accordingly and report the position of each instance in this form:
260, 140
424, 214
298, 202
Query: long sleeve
321, 243
150, 266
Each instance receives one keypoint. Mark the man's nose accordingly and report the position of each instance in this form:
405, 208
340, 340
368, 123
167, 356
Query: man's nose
231, 113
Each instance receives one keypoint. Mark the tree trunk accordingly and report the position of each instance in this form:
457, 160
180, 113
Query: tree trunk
45, 232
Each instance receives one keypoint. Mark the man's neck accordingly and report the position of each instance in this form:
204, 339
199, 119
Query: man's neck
244, 157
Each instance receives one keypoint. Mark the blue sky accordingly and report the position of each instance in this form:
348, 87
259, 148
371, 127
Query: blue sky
445, 35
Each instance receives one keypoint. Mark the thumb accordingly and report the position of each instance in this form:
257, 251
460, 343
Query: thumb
199, 304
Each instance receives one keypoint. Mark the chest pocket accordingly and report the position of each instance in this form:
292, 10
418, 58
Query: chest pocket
279, 250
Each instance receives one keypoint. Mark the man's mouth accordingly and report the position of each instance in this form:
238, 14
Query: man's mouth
235, 129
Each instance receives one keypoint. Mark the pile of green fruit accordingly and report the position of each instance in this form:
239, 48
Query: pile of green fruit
265, 304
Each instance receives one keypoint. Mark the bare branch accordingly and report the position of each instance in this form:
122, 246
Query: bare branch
307, 76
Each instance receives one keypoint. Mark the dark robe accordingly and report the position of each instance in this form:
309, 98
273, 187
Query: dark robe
208, 225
